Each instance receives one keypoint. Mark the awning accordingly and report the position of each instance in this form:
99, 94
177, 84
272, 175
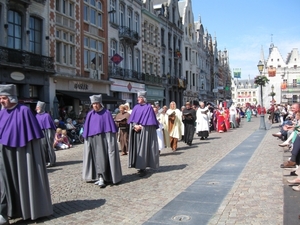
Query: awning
85, 97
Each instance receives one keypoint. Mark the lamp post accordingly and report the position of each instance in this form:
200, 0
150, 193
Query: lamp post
262, 125
272, 94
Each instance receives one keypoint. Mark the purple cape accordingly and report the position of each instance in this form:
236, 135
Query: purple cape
98, 123
45, 121
18, 126
143, 115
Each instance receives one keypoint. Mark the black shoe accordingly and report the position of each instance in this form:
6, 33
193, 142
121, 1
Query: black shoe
202, 138
142, 172
293, 173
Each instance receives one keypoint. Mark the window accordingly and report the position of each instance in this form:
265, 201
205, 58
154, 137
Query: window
57, 5
35, 40
122, 15
122, 53
112, 9
129, 64
100, 20
64, 6
92, 13
137, 60
145, 32
163, 63
151, 34
294, 82
129, 18
71, 9
85, 12
14, 39
33, 91
136, 22
65, 48
58, 52
162, 37
186, 53
113, 47
93, 54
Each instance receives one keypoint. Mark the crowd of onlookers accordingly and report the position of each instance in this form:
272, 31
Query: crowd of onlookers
288, 118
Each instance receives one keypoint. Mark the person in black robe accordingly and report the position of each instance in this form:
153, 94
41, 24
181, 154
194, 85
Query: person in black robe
189, 118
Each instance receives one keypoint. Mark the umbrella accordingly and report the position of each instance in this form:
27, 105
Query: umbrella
55, 108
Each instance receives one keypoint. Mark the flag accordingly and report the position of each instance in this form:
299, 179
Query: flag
237, 73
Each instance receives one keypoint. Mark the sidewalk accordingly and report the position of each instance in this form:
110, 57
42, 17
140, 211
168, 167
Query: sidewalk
253, 194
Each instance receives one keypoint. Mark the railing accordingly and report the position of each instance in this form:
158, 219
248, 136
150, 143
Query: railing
129, 35
132, 75
25, 59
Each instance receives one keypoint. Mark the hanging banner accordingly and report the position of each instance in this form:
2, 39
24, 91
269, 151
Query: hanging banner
272, 71
237, 73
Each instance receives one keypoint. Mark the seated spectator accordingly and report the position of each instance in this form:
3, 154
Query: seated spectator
59, 124
70, 125
295, 129
58, 140
286, 126
65, 138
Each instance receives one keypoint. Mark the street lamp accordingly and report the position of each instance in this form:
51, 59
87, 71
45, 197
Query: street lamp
262, 125
272, 93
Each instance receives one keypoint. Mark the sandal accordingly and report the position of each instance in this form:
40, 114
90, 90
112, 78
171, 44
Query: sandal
295, 181
296, 188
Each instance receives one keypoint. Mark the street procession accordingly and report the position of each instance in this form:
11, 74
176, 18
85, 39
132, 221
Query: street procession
149, 112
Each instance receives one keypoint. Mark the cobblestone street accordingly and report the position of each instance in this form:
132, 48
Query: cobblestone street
255, 198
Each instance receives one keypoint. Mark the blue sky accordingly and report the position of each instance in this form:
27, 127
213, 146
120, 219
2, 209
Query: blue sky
244, 27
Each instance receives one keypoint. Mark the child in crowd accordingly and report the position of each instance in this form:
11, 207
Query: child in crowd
66, 139
58, 140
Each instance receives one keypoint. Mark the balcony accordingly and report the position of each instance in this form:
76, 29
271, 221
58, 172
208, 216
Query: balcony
293, 87
128, 35
153, 79
125, 74
23, 59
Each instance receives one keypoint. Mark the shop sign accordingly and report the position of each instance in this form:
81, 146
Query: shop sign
81, 86
17, 76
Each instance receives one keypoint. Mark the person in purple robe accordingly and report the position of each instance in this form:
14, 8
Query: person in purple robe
48, 128
101, 160
24, 180
143, 144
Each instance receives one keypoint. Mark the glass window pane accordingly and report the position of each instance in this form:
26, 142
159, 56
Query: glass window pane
93, 44
93, 3
58, 51
100, 63
10, 42
93, 16
10, 30
10, 16
17, 43
86, 59
100, 20
86, 42
85, 13
93, 60
71, 55
100, 46
17, 31
100, 6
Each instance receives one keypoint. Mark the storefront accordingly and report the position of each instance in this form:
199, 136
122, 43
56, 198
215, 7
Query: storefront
126, 90
155, 94
74, 95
